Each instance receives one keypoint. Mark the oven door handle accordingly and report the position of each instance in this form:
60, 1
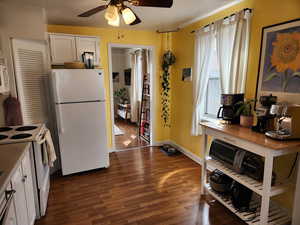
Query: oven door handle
9, 196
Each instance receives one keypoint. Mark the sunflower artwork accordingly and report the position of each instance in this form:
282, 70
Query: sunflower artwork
281, 59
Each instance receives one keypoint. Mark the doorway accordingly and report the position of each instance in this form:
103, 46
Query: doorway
131, 70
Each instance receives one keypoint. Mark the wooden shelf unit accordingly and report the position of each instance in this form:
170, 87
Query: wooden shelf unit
256, 143
276, 215
144, 123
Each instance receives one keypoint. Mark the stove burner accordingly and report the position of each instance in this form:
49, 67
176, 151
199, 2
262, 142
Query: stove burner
21, 136
3, 136
26, 128
4, 129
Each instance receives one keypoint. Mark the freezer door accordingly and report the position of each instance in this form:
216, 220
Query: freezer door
82, 136
78, 85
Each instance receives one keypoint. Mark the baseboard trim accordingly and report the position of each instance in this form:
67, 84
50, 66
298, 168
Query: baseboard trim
183, 150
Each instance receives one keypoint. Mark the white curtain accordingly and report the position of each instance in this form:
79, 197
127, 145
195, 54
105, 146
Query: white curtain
232, 38
136, 85
203, 50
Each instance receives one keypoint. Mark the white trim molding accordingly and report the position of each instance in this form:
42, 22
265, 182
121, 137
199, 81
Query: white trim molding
152, 89
196, 19
183, 150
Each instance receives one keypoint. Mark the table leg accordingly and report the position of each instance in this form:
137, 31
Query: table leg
265, 205
204, 166
296, 208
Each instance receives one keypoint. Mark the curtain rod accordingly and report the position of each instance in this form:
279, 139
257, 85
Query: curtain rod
168, 31
226, 17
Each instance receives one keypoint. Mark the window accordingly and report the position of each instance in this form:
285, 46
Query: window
213, 93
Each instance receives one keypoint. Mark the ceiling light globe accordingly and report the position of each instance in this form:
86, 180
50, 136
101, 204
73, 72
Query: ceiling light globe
115, 22
128, 15
111, 13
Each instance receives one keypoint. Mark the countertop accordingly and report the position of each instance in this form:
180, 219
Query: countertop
10, 158
251, 136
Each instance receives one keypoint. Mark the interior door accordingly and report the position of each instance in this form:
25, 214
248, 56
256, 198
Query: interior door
31, 66
82, 136
78, 85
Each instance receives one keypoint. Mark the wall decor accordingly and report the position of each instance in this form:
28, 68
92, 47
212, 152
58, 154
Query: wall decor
279, 68
187, 74
127, 77
116, 77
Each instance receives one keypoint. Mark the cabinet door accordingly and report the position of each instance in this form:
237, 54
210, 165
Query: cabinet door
88, 44
29, 191
10, 218
63, 49
17, 182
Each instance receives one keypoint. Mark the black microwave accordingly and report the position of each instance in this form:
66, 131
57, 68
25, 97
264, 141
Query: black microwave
237, 159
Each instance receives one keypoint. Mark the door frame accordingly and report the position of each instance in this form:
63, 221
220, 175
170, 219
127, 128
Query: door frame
152, 89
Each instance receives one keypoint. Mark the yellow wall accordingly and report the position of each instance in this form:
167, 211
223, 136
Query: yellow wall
122, 36
265, 12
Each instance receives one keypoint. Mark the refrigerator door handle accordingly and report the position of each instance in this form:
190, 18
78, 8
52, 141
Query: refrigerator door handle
59, 119
57, 99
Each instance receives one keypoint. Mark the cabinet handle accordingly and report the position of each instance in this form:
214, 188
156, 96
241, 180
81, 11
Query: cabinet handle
24, 178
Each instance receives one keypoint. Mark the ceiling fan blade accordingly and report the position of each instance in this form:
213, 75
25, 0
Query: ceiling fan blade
93, 11
137, 20
153, 3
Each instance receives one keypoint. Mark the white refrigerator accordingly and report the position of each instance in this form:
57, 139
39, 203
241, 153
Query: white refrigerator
79, 97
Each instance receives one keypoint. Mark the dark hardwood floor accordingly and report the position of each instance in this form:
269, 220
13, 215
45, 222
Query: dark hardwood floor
130, 138
141, 187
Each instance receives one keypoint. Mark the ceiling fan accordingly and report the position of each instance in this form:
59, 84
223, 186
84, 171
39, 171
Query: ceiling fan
116, 7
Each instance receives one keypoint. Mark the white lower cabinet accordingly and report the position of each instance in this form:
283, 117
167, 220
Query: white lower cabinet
29, 192
21, 182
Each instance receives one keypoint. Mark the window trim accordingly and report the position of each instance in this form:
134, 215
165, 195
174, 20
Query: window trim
206, 115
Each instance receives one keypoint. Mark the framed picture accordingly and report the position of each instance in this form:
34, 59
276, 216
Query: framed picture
116, 77
279, 67
187, 74
127, 77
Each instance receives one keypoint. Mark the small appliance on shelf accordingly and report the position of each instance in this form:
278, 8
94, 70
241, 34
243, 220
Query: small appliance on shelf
286, 122
229, 108
265, 120
239, 160
88, 60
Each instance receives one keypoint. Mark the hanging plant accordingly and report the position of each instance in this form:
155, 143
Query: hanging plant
168, 60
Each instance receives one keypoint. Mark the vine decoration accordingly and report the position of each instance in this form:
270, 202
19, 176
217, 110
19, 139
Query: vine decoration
168, 60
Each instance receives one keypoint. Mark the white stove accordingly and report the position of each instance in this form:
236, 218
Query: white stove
33, 134
17, 134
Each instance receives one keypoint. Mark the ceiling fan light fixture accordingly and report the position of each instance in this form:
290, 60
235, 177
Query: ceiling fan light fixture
128, 15
111, 13
114, 22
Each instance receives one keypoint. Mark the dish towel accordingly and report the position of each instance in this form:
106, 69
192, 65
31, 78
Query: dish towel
12, 111
49, 155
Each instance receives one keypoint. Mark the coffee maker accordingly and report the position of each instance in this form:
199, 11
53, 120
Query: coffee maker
265, 120
228, 110
286, 122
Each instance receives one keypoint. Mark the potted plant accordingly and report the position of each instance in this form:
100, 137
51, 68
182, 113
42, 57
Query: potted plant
122, 95
245, 112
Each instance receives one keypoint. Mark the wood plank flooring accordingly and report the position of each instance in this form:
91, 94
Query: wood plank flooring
130, 138
141, 187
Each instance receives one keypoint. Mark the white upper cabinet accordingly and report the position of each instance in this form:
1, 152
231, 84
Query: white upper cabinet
62, 48
88, 44
69, 48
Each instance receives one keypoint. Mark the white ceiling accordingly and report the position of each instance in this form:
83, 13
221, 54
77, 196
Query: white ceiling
65, 12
